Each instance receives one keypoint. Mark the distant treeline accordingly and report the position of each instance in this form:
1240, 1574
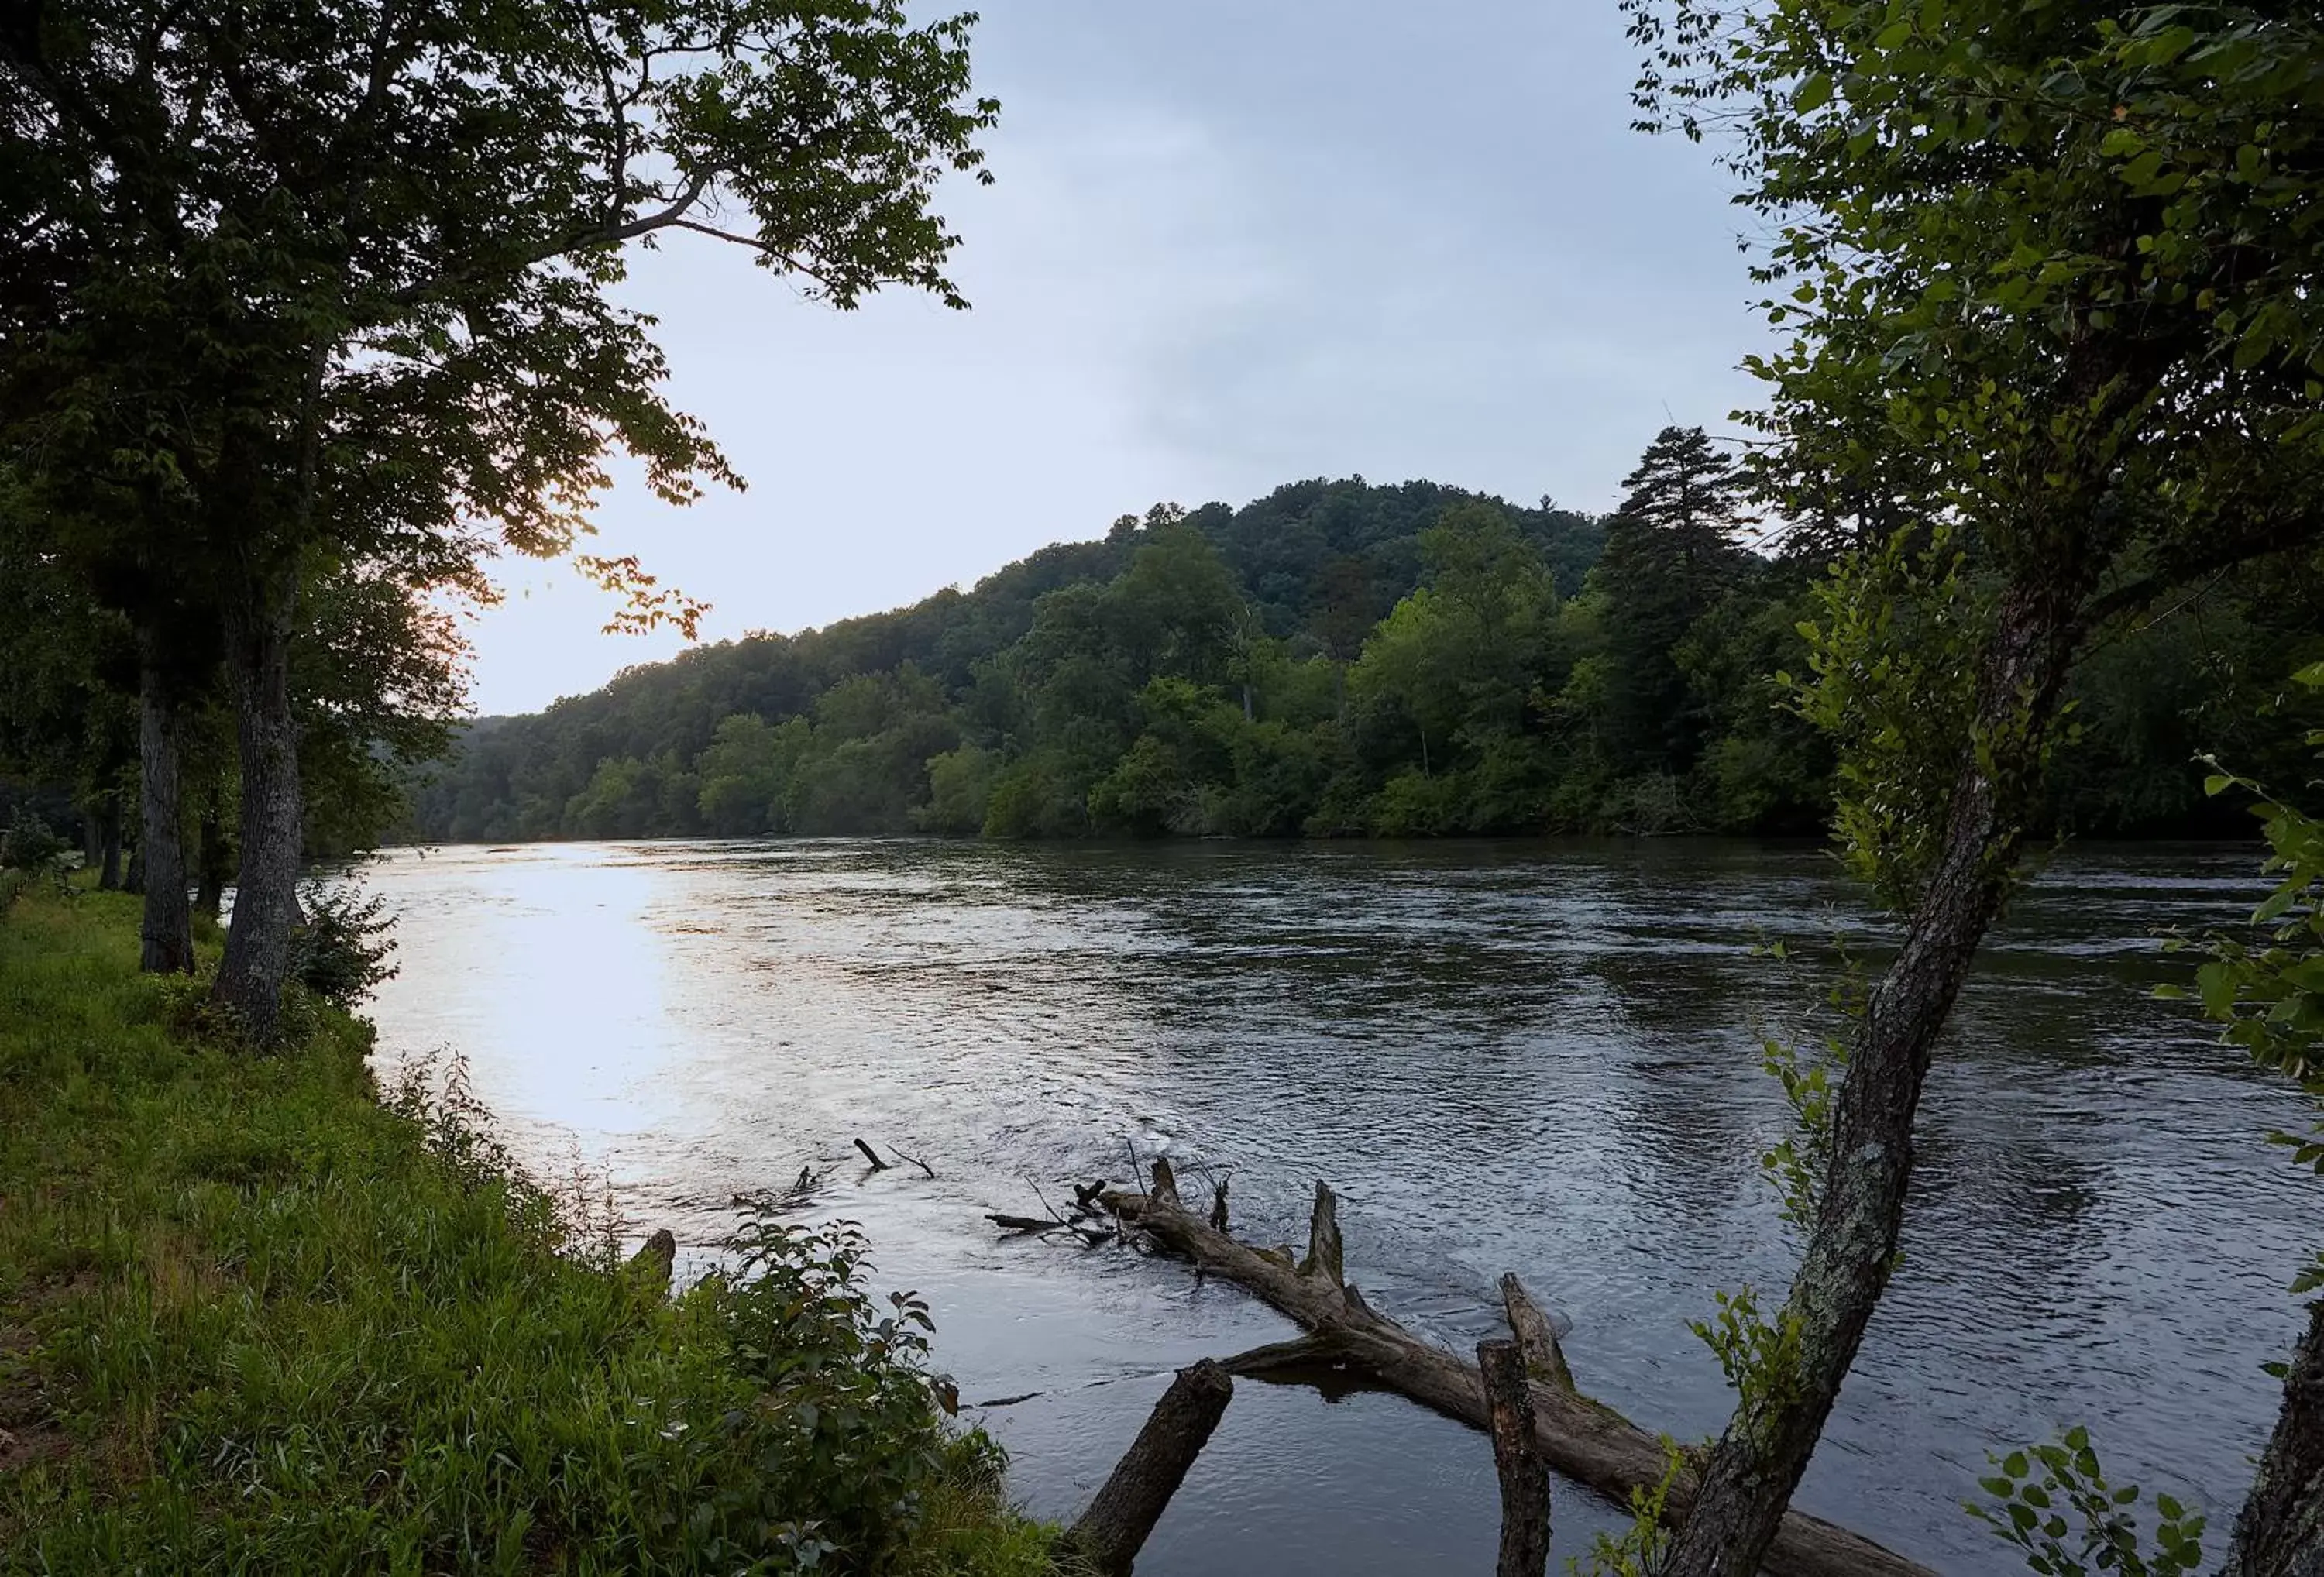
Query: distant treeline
1338, 659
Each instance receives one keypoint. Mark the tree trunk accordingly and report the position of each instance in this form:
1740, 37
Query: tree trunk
109, 876
266, 883
1517, 1458
133, 879
210, 867
1110, 1533
167, 933
2280, 1532
1748, 1482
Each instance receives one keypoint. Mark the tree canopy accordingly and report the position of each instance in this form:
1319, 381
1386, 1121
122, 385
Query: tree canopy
319, 289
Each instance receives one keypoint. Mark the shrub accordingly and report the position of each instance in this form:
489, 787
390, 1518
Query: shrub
341, 952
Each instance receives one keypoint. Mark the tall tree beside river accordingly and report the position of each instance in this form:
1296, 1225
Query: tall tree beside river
2057, 267
326, 285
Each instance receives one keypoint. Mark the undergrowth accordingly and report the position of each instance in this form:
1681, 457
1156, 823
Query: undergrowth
253, 1319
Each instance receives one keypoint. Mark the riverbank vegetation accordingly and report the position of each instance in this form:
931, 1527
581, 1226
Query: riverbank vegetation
251, 1318
1341, 659
309, 312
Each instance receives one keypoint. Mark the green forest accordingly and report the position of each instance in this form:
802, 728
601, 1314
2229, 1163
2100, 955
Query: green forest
1343, 660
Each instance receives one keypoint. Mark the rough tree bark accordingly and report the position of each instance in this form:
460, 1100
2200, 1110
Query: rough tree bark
2280, 1532
266, 884
211, 867
1544, 1359
1582, 1438
166, 935
1517, 1458
1852, 1246
1114, 1528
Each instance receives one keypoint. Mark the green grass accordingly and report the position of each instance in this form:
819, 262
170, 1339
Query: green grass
251, 1319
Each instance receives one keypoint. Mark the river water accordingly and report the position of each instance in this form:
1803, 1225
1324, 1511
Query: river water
1532, 1057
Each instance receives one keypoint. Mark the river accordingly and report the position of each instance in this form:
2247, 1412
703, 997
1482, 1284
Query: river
1532, 1057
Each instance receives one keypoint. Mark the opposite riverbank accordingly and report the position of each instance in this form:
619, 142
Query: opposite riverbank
252, 1316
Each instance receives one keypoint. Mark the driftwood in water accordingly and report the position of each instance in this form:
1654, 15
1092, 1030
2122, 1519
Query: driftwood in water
1544, 1359
872, 1156
916, 1161
1582, 1438
1110, 1533
1517, 1458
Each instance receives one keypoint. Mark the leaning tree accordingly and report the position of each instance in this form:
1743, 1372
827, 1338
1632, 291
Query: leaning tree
328, 285
2051, 276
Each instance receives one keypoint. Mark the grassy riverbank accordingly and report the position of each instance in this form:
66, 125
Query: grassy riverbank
251, 1319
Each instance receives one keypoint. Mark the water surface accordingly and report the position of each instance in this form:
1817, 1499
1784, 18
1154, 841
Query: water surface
1538, 1057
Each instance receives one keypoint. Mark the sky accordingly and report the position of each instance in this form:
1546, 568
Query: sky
1228, 246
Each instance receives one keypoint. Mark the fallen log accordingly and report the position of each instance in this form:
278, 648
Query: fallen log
872, 1156
1579, 1437
1114, 1528
1516, 1460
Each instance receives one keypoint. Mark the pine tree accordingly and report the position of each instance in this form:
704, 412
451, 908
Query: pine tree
1672, 553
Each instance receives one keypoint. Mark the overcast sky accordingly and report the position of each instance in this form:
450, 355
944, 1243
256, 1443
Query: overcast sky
1230, 246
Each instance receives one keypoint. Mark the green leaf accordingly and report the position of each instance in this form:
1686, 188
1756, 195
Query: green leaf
1813, 94
2218, 984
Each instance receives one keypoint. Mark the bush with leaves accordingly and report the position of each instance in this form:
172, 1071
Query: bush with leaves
341, 952
2054, 1502
2268, 993
29, 854
847, 1416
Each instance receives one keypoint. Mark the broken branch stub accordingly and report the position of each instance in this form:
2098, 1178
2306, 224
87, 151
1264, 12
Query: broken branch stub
1536, 1337
1114, 1528
1517, 1458
1166, 1181
1324, 1252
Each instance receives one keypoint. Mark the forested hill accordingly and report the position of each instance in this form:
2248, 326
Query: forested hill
1335, 658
